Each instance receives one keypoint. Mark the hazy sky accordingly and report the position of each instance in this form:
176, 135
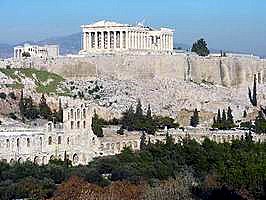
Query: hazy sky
238, 25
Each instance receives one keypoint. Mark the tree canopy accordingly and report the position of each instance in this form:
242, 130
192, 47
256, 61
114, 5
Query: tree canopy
200, 47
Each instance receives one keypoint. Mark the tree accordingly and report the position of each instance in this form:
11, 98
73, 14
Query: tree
149, 116
59, 113
139, 111
45, 110
128, 119
230, 118
194, 121
200, 47
253, 96
96, 125
245, 114
143, 141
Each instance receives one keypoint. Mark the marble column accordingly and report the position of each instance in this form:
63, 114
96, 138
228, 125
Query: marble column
127, 38
108, 40
96, 40
114, 39
84, 41
89, 40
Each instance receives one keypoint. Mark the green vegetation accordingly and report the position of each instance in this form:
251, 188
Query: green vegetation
200, 48
233, 171
137, 121
97, 125
224, 122
30, 111
46, 82
194, 120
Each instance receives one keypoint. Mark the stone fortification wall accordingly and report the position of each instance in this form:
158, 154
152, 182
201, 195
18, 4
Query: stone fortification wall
226, 71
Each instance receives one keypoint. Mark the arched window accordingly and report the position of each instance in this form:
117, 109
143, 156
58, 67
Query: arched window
49, 140
71, 114
68, 141
78, 124
72, 125
84, 124
78, 113
84, 113
28, 142
7, 143
59, 139
18, 143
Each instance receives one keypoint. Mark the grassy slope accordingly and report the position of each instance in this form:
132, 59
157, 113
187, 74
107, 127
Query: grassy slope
45, 81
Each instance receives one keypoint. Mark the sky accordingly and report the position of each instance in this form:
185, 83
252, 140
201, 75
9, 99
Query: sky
236, 25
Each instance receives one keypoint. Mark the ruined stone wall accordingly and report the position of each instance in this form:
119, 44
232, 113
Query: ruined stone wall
226, 71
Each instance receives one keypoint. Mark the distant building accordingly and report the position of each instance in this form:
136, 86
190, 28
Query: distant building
108, 37
45, 51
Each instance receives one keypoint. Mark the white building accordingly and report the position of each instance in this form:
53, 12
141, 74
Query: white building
36, 51
110, 37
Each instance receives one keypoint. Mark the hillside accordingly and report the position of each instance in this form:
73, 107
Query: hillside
41, 81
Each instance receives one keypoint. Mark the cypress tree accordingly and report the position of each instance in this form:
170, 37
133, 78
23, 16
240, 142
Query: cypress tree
139, 111
219, 119
149, 116
253, 96
194, 121
255, 91
143, 141
45, 110
245, 114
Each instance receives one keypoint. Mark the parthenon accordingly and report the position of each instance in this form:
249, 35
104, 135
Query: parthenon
106, 36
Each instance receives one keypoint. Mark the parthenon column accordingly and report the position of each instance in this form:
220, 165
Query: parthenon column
127, 39
108, 40
121, 39
96, 40
89, 40
84, 41
114, 39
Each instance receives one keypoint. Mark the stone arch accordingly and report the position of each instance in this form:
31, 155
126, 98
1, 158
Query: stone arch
75, 159
44, 160
84, 113
113, 146
78, 113
52, 157
107, 146
68, 141
228, 138
59, 139
18, 142
28, 142
50, 140
78, 124
12, 161
50, 126
20, 160
71, 113
135, 144
7, 143
118, 146
28, 159
84, 124
36, 160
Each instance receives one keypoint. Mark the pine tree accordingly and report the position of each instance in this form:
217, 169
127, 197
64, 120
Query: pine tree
200, 47
194, 121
